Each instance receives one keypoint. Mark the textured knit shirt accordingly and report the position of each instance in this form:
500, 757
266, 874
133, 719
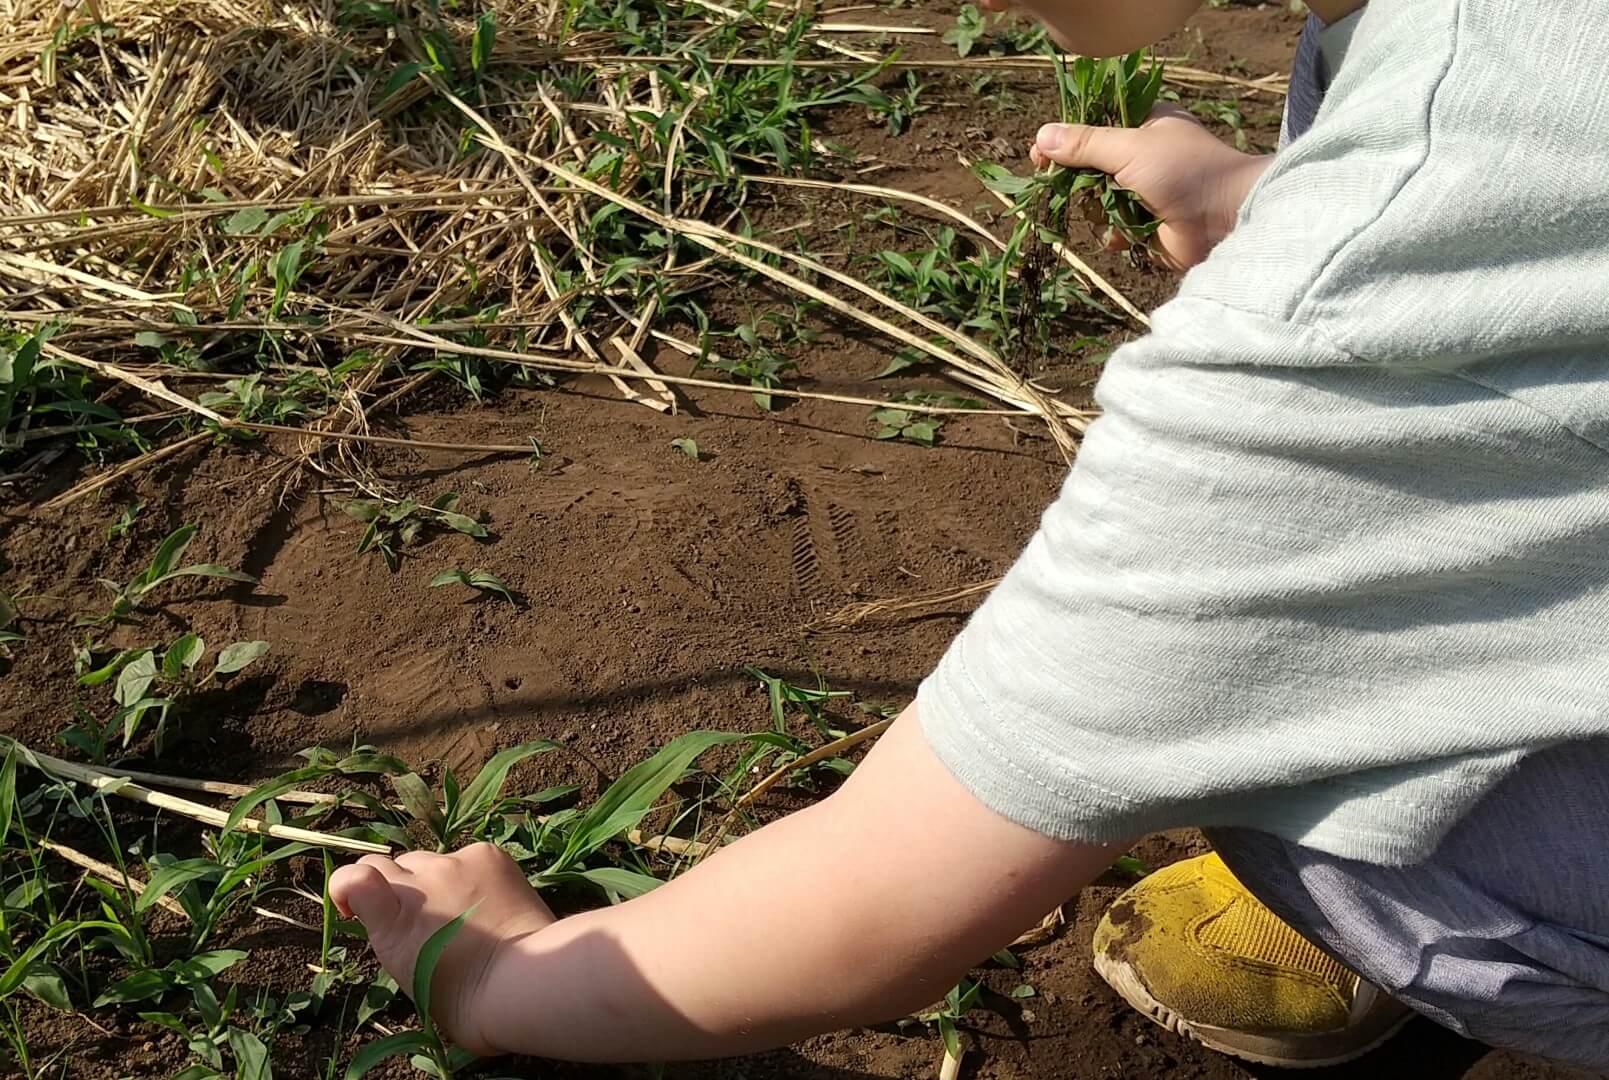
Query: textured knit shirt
1336, 557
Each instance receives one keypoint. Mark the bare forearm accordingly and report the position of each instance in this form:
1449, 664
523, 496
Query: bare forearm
801, 928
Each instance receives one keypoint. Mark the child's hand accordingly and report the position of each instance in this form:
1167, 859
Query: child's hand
403, 902
1182, 172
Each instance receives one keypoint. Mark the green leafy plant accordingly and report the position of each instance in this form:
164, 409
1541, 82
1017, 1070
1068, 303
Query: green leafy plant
163, 569
125, 520
957, 1003
1119, 92
463, 811
969, 27
391, 526
151, 680
483, 581
903, 424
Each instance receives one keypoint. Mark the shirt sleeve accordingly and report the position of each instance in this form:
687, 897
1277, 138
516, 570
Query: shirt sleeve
1325, 599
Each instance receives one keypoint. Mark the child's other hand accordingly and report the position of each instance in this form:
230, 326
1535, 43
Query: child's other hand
402, 902
1182, 172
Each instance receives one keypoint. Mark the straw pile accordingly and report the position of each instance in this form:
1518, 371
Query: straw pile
372, 193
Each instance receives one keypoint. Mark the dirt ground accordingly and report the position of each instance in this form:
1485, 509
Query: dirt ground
650, 580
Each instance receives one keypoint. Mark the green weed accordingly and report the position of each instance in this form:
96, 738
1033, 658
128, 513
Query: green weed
163, 569
151, 680
393, 525
483, 581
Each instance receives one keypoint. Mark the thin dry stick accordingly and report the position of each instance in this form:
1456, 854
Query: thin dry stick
581, 367
993, 376
105, 871
1074, 261
673, 844
108, 872
95, 483
213, 787
157, 390
111, 785
884, 193
854, 614
820, 753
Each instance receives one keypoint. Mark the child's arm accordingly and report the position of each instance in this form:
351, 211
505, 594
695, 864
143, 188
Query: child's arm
1101, 27
1183, 173
860, 909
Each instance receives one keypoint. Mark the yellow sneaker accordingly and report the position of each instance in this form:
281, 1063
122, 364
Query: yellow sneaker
1192, 949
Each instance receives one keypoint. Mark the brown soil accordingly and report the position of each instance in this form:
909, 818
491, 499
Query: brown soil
650, 579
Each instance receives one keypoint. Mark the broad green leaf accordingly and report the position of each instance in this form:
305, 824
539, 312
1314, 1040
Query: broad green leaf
8, 793
403, 1042
629, 798
1128, 864
484, 790
686, 446
1003, 180
361, 509
23, 965
273, 789
251, 1056
207, 570
487, 581
381, 992
1023, 991
136, 678
951, 1037
174, 876
197, 1071
454, 576
106, 671
424, 968
182, 655
400, 78
150, 339
167, 556
617, 882
463, 523
140, 986
245, 221
239, 655
46, 984
205, 965
420, 802
480, 53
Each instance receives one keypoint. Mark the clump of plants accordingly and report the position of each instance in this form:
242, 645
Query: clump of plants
1119, 91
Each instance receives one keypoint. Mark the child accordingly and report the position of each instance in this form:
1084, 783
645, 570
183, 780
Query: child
1331, 578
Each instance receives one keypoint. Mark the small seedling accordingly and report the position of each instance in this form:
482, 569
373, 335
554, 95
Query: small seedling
149, 680
125, 520
463, 812
162, 569
431, 1055
901, 424
686, 446
957, 1003
394, 525
483, 580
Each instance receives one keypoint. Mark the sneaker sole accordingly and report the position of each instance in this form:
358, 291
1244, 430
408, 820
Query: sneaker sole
1280, 1051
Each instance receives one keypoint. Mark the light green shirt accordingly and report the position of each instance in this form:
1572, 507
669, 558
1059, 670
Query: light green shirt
1337, 555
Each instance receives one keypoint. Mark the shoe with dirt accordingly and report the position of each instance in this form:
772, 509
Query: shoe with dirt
1193, 950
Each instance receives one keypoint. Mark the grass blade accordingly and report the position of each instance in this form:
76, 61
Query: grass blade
424, 969
403, 1042
630, 798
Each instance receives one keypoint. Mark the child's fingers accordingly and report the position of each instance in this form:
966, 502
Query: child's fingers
1080, 146
365, 889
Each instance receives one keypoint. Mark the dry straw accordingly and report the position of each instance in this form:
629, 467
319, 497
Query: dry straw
158, 160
